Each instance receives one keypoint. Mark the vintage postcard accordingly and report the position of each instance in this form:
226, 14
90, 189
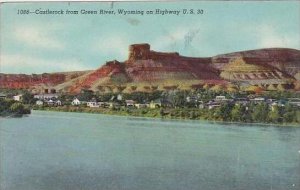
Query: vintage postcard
150, 95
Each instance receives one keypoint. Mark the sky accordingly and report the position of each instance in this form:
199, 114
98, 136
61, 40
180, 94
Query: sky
37, 43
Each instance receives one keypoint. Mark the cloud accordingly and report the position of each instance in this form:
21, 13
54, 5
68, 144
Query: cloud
27, 64
39, 36
177, 39
112, 47
269, 37
169, 39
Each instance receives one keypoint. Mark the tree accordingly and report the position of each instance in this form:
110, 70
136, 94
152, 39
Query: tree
28, 98
260, 112
224, 112
273, 115
289, 117
289, 114
18, 108
86, 95
237, 113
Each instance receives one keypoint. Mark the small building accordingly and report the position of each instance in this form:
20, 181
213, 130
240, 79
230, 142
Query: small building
46, 96
114, 105
77, 102
58, 103
93, 104
258, 100
294, 102
2, 96
54, 102
220, 98
191, 99
39, 102
212, 105
155, 104
18, 97
129, 103
51, 102
141, 105
120, 97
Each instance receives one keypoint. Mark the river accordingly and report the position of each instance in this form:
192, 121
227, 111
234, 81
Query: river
80, 151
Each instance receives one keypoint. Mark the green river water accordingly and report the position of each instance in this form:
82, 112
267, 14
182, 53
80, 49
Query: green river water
79, 151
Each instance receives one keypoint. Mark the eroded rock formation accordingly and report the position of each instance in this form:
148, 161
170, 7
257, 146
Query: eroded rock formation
144, 68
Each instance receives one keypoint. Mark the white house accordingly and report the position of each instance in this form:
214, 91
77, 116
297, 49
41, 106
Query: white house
258, 99
220, 98
76, 102
120, 97
93, 104
18, 97
155, 104
58, 103
46, 96
50, 102
54, 102
294, 101
191, 99
141, 105
129, 103
2, 96
39, 102
212, 105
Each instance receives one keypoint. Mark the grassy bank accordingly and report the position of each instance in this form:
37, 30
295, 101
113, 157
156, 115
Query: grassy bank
166, 113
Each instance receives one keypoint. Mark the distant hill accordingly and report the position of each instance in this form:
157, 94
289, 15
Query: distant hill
148, 70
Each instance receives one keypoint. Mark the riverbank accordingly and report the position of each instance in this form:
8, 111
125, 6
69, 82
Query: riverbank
169, 113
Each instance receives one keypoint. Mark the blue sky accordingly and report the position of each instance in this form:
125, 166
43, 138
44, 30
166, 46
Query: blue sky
48, 43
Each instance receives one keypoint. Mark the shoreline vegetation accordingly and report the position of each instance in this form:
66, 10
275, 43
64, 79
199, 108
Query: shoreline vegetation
192, 114
274, 107
11, 108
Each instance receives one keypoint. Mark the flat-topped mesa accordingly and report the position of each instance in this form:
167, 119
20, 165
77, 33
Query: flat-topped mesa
143, 52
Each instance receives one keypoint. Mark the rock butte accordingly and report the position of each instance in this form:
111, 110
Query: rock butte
148, 70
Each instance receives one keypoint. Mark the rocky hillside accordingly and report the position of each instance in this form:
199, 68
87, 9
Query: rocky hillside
37, 82
283, 59
147, 70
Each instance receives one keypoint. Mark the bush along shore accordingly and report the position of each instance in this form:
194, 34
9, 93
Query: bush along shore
254, 113
11, 108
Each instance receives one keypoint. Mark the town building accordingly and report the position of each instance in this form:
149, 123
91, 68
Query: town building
18, 97
220, 98
129, 103
39, 102
77, 102
294, 101
3, 96
141, 105
155, 104
212, 104
46, 96
93, 104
